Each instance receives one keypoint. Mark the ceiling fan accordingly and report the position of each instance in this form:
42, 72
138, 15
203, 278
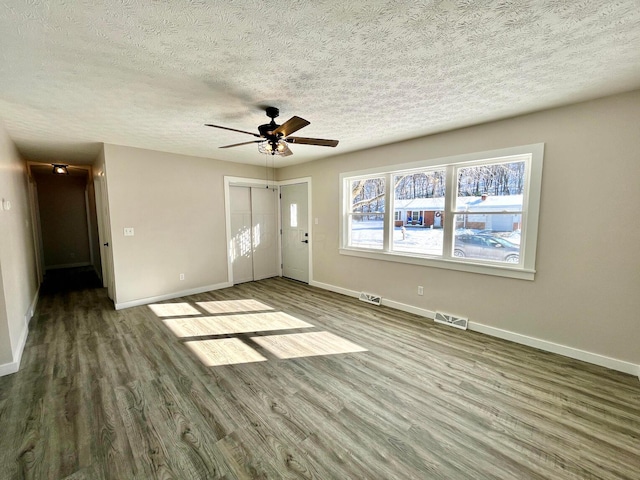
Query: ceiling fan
274, 138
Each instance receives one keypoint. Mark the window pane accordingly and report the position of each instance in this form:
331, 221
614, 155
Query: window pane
366, 231
422, 241
498, 244
419, 212
367, 196
495, 187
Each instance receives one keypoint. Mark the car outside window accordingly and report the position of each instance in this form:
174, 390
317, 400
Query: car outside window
475, 212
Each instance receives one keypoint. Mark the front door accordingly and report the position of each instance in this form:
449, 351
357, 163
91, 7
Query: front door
295, 231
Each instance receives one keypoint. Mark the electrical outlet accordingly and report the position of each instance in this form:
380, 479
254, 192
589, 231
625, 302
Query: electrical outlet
182, 276
420, 290
128, 231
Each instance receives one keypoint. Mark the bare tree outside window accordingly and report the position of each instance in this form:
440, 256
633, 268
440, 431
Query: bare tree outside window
366, 218
468, 213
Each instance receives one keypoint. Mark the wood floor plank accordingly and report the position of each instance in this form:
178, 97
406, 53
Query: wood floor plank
107, 394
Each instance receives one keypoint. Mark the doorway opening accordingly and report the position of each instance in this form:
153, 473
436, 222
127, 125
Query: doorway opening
65, 219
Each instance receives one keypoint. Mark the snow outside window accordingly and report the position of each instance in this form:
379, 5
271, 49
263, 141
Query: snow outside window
476, 212
420, 196
366, 213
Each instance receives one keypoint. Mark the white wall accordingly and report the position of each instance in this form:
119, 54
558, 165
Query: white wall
586, 292
175, 204
17, 259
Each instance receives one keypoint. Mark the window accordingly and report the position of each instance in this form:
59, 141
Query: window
420, 195
366, 213
476, 212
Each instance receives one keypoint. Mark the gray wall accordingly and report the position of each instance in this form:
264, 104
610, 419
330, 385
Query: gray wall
585, 293
17, 258
175, 204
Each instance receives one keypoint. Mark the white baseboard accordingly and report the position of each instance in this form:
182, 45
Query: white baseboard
13, 367
171, 296
589, 357
408, 308
9, 368
32, 307
547, 346
333, 288
385, 301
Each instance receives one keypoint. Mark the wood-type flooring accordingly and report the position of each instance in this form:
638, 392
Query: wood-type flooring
105, 394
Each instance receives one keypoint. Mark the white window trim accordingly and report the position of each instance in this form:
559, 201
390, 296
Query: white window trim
531, 206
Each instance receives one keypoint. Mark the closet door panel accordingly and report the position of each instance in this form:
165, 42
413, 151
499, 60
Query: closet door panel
264, 227
241, 242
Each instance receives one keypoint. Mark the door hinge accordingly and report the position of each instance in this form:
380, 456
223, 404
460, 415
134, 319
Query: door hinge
280, 231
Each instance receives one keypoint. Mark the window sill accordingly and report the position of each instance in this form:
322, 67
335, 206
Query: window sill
448, 264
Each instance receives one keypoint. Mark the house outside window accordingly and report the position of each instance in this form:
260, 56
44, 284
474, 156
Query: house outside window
476, 212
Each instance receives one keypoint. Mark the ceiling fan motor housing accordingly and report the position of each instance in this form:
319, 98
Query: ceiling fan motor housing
267, 129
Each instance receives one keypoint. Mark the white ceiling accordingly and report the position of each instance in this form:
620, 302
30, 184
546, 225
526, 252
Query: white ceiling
149, 74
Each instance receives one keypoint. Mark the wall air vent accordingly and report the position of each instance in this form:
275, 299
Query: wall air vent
370, 298
451, 320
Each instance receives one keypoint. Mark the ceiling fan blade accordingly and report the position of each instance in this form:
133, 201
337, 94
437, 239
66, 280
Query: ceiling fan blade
232, 129
312, 141
243, 143
286, 151
292, 125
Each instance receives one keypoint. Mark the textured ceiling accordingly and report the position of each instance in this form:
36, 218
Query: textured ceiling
149, 74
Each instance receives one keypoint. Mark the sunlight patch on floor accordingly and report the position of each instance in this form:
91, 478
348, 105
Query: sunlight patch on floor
233, 306
310, 344
173, 309
224, 351
245, 316
228, 324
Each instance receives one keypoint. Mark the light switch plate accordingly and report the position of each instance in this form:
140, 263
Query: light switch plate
128, 231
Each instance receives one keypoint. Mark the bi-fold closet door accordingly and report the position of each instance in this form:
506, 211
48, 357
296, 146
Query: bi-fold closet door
254, 233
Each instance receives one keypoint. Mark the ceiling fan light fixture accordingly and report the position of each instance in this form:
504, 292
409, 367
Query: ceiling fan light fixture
272, 148
60, 169
265, 147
